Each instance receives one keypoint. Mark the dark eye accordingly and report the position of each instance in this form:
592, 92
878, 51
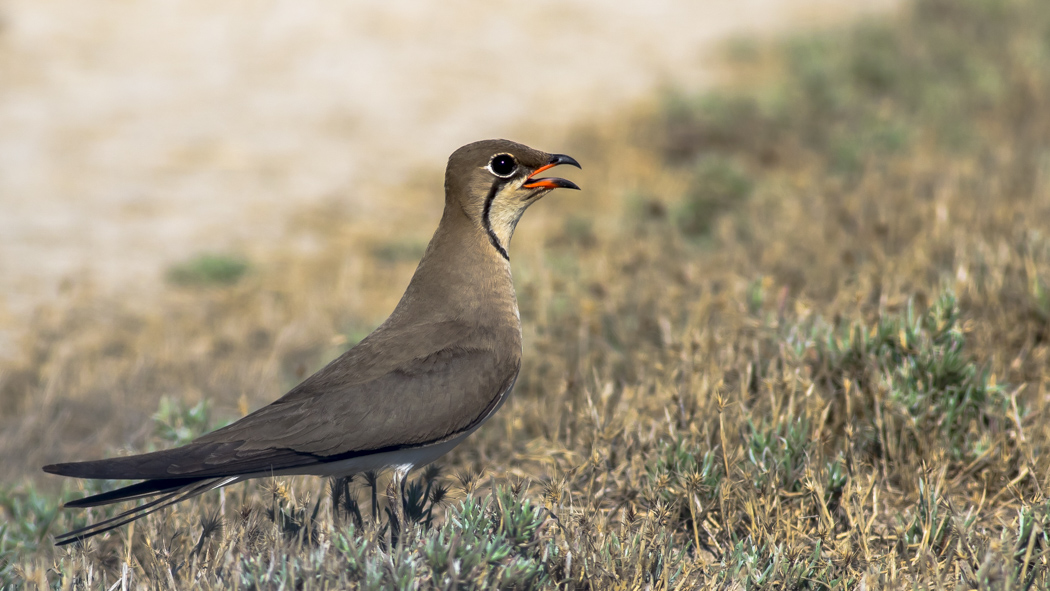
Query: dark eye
503, 165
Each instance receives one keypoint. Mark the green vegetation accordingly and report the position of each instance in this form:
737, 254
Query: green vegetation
208, 269
28, 516
178, 425
799, 340
934, 388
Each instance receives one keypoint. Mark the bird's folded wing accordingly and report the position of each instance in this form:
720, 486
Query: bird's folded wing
421, 401
448, 393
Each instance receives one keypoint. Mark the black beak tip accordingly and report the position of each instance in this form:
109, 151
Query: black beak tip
558, 159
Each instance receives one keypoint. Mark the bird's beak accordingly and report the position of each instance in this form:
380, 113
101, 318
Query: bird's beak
552, 182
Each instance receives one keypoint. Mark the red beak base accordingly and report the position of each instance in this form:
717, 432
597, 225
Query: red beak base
552, 182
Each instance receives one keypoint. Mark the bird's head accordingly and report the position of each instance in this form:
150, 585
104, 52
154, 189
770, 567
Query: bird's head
494, 181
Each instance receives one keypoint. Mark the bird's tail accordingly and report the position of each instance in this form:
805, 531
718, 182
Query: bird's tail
171, 491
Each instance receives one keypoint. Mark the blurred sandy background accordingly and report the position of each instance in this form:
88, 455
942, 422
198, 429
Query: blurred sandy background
136, 133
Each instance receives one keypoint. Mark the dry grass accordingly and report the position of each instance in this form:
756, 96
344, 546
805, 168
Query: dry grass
793, 335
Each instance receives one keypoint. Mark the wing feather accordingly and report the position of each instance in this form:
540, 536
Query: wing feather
377, 397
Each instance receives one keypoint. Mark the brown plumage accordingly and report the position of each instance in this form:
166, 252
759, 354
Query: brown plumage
435, 370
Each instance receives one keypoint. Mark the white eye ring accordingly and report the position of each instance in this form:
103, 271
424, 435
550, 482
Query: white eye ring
499, 164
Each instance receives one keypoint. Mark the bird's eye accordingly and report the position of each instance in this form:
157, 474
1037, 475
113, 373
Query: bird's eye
503, 165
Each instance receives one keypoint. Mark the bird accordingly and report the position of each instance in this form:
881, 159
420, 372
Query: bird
432, 373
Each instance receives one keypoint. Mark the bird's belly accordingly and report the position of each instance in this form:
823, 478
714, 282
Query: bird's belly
403, 459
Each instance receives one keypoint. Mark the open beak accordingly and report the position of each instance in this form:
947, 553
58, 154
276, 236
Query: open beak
552, 182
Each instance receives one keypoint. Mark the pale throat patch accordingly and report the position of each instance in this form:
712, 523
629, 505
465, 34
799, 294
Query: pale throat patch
503, 218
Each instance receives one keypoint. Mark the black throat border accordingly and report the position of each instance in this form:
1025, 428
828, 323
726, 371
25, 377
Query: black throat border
488, 223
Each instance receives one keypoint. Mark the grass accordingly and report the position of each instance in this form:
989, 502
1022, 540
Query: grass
208, 269
798, 340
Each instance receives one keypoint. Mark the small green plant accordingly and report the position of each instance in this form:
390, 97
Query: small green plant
1031, 545
680, 468
177, 424
26, 517
921, 361
487, 542
208, 270
779, 453
930, 523
754, 565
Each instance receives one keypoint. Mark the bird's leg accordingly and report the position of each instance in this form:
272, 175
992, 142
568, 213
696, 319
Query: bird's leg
403, 480
372, 477
395, 493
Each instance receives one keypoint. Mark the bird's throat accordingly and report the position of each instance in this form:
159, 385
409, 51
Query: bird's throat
500, 217
486, 220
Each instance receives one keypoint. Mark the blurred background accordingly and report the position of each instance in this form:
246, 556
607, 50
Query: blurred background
137, 134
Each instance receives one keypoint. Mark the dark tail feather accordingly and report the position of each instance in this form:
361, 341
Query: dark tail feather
135, 491
188, 491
